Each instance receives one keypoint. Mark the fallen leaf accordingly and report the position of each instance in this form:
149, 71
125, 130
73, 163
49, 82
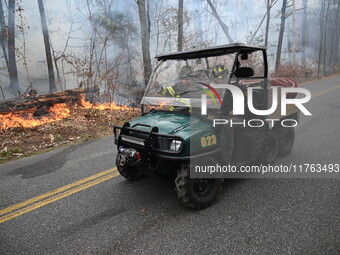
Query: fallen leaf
18, 154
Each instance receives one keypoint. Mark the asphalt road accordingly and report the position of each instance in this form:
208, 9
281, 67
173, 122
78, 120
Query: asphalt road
114, 216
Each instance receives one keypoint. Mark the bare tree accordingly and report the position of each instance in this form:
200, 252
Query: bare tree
325, 35
321, 36
198, 22
267, 24
51, 78
13, 72
337, 36
282, 28
3, 39
180, 26
222, 24
294, 34
270, 4
145, 40
256, 30
333, 36
304, 30
60, 56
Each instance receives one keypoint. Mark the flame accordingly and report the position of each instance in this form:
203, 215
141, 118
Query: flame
26, 118
105, 106
162, 103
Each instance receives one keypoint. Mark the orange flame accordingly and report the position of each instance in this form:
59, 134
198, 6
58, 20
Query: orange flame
105, 106
162, 103
26, 119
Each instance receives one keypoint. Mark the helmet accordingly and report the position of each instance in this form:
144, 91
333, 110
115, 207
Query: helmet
186, 71
220, 71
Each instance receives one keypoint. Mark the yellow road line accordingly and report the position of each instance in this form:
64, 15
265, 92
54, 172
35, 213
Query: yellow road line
57, 197
53, 192
325, 91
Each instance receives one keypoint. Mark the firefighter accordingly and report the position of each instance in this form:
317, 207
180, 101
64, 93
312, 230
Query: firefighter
220, 72
180, 87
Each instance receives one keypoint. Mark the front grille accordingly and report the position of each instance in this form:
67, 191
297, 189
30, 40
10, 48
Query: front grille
146, 140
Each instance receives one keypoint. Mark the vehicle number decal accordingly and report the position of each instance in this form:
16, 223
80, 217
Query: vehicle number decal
208, 140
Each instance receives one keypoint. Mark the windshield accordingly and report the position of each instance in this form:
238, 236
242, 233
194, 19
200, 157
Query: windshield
182, 82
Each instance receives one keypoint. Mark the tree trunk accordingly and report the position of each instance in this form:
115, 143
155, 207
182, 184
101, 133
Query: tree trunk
324, 54
145, 40
3, 40
198, 23
337, 36
13, 74
267, 24
321, 21
147, 4
304, 31
294, 36
282, 29
257, 29
334, 34
180, 26
223, 26
51, 78
65, 96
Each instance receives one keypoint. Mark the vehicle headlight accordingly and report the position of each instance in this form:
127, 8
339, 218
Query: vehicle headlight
175, 145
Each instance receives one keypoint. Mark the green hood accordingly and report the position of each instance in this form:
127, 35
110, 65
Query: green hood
172, 124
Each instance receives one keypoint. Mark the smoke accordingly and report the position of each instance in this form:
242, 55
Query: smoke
78, 37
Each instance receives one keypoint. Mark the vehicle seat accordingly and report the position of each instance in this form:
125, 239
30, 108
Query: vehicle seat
244, 72
241, 73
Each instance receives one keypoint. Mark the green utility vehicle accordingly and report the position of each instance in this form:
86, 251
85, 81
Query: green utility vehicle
177, 131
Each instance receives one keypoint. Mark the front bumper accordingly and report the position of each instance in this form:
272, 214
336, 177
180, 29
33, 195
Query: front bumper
153, 143
147, 141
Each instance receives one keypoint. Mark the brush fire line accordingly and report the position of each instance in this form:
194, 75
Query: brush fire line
29, 118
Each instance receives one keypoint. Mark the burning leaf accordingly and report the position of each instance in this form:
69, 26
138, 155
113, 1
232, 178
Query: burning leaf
39, 116
36, 133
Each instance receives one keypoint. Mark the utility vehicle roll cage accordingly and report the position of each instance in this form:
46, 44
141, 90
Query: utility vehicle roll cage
238, 48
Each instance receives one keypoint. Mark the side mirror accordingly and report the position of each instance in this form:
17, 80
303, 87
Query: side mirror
244, 56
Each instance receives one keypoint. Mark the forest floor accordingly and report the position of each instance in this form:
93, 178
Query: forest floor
82, 125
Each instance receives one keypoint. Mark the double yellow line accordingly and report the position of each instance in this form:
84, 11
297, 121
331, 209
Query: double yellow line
325, 91
54, 195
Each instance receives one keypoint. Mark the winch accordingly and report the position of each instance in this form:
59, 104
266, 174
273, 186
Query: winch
128, 156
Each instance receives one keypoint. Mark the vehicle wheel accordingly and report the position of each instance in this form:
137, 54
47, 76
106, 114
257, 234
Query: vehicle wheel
128, 172
286, 138
196, 193
270, 148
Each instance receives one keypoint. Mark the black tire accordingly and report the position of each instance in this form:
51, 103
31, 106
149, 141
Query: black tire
286, 136
128, 172
196, 193
270, 148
